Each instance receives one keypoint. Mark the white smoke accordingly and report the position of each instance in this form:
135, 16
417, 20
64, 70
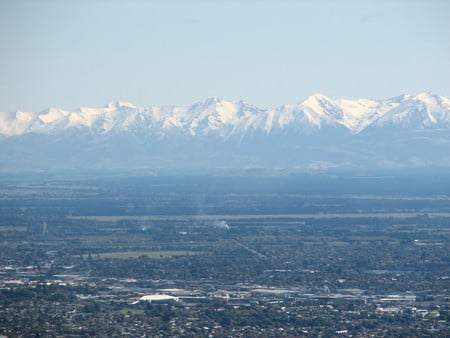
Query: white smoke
221, 225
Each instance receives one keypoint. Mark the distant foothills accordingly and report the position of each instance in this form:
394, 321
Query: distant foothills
319, 133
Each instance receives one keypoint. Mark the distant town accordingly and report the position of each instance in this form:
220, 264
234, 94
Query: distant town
220, 257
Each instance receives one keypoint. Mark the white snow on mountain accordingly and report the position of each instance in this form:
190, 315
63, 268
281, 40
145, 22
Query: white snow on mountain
422, 111
225, 119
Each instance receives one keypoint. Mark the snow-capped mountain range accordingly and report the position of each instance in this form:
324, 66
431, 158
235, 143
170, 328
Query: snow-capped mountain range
226, 119
319, 132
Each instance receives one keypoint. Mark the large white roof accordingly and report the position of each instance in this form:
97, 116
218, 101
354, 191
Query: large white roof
150, 298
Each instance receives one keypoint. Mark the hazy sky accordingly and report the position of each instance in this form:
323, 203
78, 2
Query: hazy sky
68, 53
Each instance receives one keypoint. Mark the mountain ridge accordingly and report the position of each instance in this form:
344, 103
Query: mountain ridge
222, 118
318, 133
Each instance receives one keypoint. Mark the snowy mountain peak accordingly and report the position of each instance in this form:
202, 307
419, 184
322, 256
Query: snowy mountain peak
317, 102
52, 115
400, 98
317, 132
320, 109
225, 119
210, 101
422, 111
317, 98
426, 97
120, 104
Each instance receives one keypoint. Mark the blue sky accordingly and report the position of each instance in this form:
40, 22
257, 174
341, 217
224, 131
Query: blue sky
66, 54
